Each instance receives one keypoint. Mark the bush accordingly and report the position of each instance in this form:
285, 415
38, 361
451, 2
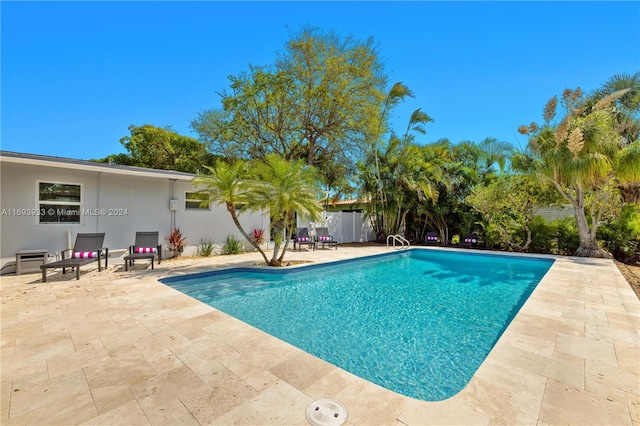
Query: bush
205, 249
177, 242
622, 237
565, 236
258, 236
232, 245
542, 236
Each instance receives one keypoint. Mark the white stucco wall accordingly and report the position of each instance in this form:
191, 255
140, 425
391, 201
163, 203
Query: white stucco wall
345, 227
132, 203
213, 224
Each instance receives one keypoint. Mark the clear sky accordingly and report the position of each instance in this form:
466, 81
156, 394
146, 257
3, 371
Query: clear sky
75, 75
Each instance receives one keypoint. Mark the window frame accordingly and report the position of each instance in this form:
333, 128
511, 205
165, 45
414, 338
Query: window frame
200, 200
63, 204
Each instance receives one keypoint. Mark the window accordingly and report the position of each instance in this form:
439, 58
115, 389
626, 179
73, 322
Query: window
194, 200
59, 202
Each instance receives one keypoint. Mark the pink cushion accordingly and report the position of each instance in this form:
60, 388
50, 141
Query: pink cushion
84, 254
302, 239
146, 250
470, 240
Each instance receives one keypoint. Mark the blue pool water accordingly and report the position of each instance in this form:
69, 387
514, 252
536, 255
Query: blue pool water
418, 322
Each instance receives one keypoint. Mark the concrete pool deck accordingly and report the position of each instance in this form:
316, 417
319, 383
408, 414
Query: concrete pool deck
119, 347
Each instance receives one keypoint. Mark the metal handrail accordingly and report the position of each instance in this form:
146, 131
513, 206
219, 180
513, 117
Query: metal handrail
399, 238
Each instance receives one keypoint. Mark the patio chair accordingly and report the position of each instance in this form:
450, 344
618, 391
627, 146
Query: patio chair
323, 238
87, 248
471, 240
146, 247
431, 238
302, 238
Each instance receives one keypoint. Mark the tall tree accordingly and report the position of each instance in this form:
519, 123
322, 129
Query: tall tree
399, 177
627, 116
162, 149
318, 102
583, 158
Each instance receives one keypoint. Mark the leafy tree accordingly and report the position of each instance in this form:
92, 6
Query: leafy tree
162, 149
120, 158
508, 205
583, 157
318, 102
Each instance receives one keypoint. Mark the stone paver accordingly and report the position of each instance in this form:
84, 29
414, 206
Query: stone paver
119, 347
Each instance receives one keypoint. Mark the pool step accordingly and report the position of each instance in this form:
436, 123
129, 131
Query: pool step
221, 285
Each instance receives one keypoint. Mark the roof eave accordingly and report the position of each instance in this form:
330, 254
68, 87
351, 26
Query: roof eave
68, 163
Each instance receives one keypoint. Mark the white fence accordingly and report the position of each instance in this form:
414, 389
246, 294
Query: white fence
346, 227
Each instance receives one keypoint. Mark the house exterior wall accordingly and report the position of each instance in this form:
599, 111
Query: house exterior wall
116, 204
214, 223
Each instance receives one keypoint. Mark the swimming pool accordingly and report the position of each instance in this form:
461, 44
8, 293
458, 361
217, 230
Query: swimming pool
418, 322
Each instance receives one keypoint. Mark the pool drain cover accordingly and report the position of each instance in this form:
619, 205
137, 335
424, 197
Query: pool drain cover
326, 412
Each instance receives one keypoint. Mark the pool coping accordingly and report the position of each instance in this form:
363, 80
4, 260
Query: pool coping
569, 356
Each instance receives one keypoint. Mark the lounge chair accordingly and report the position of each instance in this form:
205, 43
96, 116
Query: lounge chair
87, 248
323, 238
431, 238
471, 240
302, 238
146, 247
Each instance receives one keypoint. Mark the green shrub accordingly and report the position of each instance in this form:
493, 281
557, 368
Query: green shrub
622, 237
205, 249
542, 236
232, 245
565, 236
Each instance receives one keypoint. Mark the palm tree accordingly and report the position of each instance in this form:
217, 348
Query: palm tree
229, 185
493, 152
385, 191
283, 187
583, 158
627, 117
286, 188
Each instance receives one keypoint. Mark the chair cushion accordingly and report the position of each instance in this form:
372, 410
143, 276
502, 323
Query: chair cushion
146, 250
84, 254
302, 239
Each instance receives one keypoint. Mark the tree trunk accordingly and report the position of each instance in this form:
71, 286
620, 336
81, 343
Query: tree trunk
232, 210
279, 230
587, 237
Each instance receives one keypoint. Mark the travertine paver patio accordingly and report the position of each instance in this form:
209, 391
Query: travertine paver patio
122, 348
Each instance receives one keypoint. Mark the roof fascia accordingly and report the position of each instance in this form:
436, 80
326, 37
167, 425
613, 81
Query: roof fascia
98, 167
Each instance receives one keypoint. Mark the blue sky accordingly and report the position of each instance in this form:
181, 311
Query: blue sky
75, 75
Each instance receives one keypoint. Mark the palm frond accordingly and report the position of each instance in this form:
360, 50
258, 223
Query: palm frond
629, 163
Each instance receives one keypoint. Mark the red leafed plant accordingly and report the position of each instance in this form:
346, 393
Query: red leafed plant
258, 236
176, 242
